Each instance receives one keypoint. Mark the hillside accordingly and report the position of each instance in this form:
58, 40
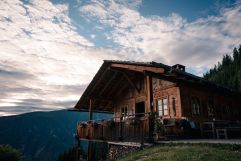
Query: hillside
228, 71
41, 136
187, 152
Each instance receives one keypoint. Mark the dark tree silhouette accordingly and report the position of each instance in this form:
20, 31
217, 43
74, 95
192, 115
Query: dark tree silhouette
7, 153
228, 71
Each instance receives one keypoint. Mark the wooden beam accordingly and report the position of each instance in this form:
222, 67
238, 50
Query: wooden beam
121, 90
92, 103
94, 111
108, 103
90, 110
162, 76
101, 104
98, 81
131, 83
123, 72
107, 84
149, 93
116, 86
90, 150
138, 68
100, 99
120, 70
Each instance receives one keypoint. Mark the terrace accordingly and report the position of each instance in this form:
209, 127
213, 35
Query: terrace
129, 129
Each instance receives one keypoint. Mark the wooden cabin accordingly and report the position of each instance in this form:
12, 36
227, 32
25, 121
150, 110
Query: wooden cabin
131, 91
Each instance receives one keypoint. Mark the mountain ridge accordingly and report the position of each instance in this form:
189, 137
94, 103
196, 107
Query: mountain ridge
42, 136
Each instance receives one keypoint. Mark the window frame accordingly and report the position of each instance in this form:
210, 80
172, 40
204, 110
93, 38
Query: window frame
195, 106
174, 106
210, 108
163, 109
124, 112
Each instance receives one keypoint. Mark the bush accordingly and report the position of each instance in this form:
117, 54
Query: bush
7, 153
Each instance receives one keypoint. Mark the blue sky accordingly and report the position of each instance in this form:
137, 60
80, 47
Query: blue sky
50, 50
189, 9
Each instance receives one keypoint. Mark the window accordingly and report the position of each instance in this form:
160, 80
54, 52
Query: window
210, 108
160, 109
124, 112
229, 110
195, 104
162, 105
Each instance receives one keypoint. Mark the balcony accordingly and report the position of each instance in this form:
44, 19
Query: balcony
131, 129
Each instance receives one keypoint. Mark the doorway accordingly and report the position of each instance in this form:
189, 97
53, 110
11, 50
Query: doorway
140, 109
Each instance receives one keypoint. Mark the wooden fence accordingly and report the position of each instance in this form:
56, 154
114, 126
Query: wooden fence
133, 129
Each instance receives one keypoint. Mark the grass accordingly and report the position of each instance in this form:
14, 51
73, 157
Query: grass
187, 152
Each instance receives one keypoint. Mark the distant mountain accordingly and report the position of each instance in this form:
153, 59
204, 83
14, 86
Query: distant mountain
42, 136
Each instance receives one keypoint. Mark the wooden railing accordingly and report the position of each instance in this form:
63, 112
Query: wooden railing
131, 129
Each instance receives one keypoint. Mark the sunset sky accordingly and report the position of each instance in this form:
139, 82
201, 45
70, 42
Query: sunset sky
50, 50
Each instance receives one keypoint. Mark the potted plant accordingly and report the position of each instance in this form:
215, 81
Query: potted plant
95, 124
134, 121
158, 129
83, 124
131, 120
156, 126
110, 123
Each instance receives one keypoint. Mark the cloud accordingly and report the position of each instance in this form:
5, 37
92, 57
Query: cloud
13, 110
44, 62
199, 43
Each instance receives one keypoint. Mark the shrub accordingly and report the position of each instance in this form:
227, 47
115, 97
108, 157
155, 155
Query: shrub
7, 153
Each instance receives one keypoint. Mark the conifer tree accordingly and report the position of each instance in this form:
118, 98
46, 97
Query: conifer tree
7, 153
228, 71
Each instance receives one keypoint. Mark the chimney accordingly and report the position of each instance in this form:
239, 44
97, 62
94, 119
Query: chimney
179, 67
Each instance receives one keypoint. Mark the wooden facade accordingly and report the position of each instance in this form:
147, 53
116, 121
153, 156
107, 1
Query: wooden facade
132, 90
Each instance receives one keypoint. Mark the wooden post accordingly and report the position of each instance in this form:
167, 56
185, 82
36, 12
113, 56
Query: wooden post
90, 143
78, 149
90, 151
149, 93
150, 127
90, 110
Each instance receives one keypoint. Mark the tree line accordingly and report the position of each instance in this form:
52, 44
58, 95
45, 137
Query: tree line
8, 153
227, 72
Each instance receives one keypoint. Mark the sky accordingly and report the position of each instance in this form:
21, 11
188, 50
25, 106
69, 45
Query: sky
51, 49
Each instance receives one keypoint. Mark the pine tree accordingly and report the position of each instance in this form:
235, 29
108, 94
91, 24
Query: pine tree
7, 153
228, 72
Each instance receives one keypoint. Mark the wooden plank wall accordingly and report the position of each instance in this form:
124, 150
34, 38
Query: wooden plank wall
220, 102
162, 89
131, 96
182, 95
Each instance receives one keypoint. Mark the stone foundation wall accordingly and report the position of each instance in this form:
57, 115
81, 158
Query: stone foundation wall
118, 151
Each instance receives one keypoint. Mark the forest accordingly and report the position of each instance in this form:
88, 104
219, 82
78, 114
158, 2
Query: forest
227, 72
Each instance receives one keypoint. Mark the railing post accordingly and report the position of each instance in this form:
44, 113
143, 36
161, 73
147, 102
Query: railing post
78, 141
121, 130
90, 110
151, 121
